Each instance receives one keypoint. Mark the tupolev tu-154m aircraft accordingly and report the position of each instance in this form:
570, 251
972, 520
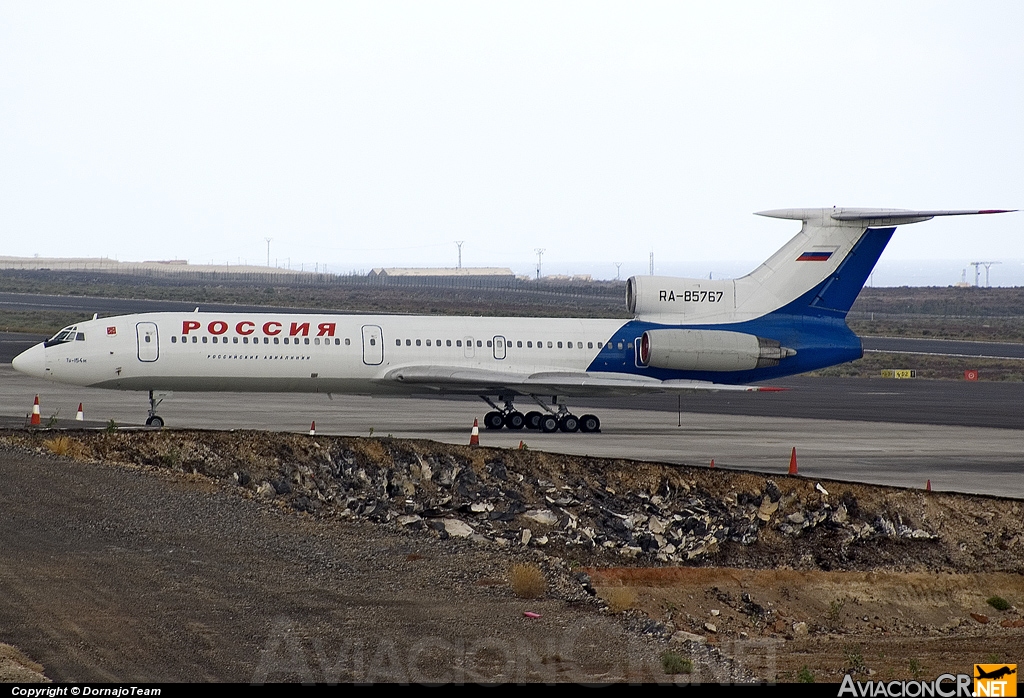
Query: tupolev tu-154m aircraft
788, 316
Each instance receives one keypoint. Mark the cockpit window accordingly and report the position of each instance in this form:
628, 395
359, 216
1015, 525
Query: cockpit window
65, 335
80, 337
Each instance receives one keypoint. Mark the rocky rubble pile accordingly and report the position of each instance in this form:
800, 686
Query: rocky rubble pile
589, 509
520, 498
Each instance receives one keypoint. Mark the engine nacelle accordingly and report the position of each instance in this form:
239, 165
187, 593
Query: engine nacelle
709, 350
690, 299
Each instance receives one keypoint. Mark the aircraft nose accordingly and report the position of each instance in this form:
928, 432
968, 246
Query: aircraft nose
31, 362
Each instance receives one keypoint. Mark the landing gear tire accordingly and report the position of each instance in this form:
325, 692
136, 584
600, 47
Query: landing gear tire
590, 424
569, 423
515, 420
533, 420
548, 423
155, 421
494, 420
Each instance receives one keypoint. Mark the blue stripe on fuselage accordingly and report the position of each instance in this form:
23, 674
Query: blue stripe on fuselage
814, 325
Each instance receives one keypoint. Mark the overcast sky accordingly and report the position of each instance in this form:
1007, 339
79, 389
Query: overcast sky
377, 133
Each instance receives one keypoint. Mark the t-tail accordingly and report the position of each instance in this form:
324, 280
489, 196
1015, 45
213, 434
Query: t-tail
787, 316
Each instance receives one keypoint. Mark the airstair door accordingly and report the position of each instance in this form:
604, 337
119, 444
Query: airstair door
373, 345
149, 341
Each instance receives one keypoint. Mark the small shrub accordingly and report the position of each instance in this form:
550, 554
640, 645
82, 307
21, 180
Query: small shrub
111, 426
804, 675
834, 615
675, 663
527, 581
916, 669
64, 446
620, 598
998, 603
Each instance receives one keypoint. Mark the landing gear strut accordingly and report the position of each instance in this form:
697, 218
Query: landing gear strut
153, 420
548, 421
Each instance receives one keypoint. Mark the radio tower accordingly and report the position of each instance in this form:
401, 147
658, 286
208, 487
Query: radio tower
540, 253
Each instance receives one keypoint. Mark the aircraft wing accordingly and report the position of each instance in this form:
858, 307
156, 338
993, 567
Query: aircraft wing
453, 379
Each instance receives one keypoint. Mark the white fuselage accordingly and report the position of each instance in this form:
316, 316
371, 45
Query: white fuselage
309, 353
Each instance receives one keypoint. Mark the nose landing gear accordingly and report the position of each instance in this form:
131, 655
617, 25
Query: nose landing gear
153, 420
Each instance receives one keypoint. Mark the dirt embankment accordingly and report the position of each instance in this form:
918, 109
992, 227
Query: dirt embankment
843, 575
589, 510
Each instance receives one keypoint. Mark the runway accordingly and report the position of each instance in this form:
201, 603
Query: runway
748, 431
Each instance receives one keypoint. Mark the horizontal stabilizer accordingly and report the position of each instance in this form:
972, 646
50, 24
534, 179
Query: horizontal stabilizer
870, 216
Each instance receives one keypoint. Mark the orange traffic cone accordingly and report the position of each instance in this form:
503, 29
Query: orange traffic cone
35, 413
928, 487
712, 462
792, 462
312, 428
80, 415
474, 437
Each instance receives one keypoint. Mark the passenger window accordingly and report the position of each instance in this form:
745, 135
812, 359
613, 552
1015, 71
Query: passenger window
417, 342
448, 342
285, 340
488, 342
529, 345
549, 344
276, 340
234, 340
398, 342
195, 339
347, 342
305, 340
599, 345
174, 340
590, 345
620, 346
458, 342
204, 340
480, 344
438, 342
214, 339
408, 342
245, 340
266, 340
508, 343
629, 346
559, 345
317, 341
519, 345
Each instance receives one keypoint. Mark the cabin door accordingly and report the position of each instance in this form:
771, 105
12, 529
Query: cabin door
149, 341
373, 345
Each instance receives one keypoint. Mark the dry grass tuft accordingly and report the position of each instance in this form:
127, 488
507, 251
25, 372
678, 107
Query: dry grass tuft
527, 581
65, 446
619, 598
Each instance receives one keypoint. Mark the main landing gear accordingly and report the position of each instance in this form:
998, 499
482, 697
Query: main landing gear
153, 420
548, 421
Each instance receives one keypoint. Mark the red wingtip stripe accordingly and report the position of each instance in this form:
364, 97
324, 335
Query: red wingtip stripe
771, 389
997, 210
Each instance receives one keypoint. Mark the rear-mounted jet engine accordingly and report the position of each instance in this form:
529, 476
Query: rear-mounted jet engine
709, 350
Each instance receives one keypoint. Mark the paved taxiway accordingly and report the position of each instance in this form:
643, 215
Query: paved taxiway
836, 443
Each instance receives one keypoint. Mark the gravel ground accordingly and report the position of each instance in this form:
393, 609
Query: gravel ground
123, 573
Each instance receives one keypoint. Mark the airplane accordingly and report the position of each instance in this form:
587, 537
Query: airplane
788, 316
